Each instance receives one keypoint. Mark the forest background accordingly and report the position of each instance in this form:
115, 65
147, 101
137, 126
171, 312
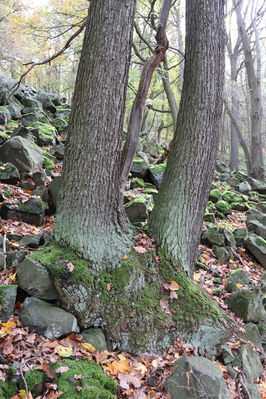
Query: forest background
35, 31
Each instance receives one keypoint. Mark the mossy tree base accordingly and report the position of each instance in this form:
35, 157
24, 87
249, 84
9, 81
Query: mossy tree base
125, 302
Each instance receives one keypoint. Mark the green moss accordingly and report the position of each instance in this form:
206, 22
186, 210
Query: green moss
229, 196
95, 384
159, 168
35, 381
193, 305
3, 135
7, 389
223, 206
261, 242
139, 199
56, 258
48, 164
215, 194
137, 183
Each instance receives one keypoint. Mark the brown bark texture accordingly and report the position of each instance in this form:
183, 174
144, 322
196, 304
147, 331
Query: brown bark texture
90, 216
177, 217
136, 114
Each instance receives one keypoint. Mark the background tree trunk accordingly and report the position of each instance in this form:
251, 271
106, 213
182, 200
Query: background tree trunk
177, 217
90, 217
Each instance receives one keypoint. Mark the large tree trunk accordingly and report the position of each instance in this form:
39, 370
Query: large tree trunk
177, 217
90, 216
257, 164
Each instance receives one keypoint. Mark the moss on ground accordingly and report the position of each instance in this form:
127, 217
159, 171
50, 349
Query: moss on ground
48, 164
7, 389
94, 383
261, 242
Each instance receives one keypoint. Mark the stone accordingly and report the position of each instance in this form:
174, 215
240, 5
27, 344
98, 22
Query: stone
137, 210
257, 246
31, 240
205, 380
15, 108
46, 319
44, 133
54, 188
224, 207
15, 257
238, 277
221, 253
9, 174
155, 174
22, 153
229, 239
209, 217
258, 228
240, 234
224, 177
251, 363
35, 280
257, 185
23, 132
58, 151
221, 167
31, 211
233, 182
252, 334
227, 355
252, 390
39, 178
2, 260
211, 237
247, 304
244, 187
46, 101
8, 294
96, 338
139, 168
151, 148
5, 116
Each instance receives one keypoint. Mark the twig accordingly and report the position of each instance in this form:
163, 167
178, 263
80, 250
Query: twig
22, 375
34, 64
4, 250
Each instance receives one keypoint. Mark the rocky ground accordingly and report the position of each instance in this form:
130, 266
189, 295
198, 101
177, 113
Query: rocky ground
41, 357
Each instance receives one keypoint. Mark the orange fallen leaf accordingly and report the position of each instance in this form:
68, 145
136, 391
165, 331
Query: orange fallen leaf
174, 286
116, 367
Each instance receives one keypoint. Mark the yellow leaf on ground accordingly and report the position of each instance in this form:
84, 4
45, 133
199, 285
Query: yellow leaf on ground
174, 286
63, 350
196, 276
121, 357
118, 367
6, 328
88, 347
12, 276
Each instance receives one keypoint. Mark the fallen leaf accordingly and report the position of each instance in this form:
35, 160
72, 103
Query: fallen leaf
165, 306
88, 347
140, 250
126, 379
174, 286
78, 388
62, 369
63, 350
196, 276
108, 286
125, 257
116, 367
70, 266
173, 295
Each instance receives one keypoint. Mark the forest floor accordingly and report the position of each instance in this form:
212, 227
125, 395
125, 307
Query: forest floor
137, 377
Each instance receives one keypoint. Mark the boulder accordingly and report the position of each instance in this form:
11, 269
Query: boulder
240, 234
39, 178
223, 207
139, 168
15, 108
221, 167
54, 188
15, 257
247, 304
8, 294
96, 338
137, 210
35, 280
31, 211
23, 132
257, 185
155, 174
31, 240
47, 320
5, 116
227, 355
256, 222
244, 187
151, 148
257, 246
215, 195
9, 174
252, 334
46, 101
251, 363
236, 277
58, 151
212, 237
44, 133
221, 253
22, 153
196, 377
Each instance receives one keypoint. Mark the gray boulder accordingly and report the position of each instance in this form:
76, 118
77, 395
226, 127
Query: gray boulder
23, 154
23, 132
221, 167
46, 101
155, 174
244, 187
247, 304
196, 377
252, 334
58, 151
251, 362
95, 337
137, 210
47, 320
240, 234
5, 116
8, 294
9, 174
139, 168
31, 211
212, 237
35, 280
257, 246
236, 277
15, 108
54, 188
256, 222
15, 257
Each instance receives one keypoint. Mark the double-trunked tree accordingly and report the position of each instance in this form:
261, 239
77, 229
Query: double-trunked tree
112, 286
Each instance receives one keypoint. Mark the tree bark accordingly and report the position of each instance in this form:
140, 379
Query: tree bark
257, 164
90, 217
136, 115
177, 217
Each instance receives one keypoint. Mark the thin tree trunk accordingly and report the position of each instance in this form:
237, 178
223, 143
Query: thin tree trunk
90, 217
136, 115
169, 93
257, 165
177, 217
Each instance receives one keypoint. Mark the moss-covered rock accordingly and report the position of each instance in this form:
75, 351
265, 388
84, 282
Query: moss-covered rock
215, 195
224, 207
130, 312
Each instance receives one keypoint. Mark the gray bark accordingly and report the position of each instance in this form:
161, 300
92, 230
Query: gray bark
169, 93
176, 220
257, 164
90, 217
